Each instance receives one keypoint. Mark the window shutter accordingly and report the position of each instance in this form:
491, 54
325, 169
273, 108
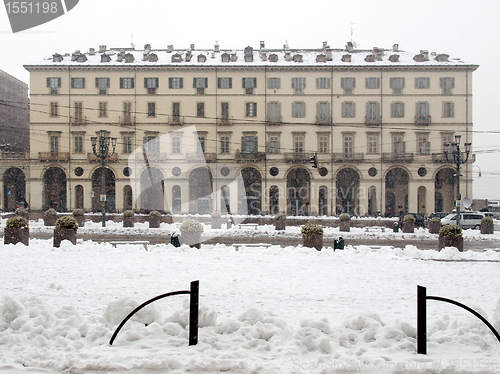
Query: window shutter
59, 82
452, 110
181, 82
293, 83
255, 83
452, 82
402, 83
48, 82
391, 84
108, 82
230, 82
441, 82
353, 83
243, 85
97, 83
342, 80
72, 82
195, 83
121, 83
145, 82
157, 82
219, 82
303, 83
428, 82
170, 85
83, 82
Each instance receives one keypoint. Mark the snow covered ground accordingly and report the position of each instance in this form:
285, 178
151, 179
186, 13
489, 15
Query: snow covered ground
263, 310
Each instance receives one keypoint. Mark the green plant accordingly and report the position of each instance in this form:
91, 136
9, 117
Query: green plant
450, 231
409, 218
344, 217
191, 226
216, 215
67, 222
435, 220
128, 213
310, 229
22, 212
154, 214
486, 221
280, 216
78, 213
17, 222
50, 213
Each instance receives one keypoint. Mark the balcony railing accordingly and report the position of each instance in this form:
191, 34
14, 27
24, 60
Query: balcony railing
53, 156
176, 120
93, 158
78, 121
126, 120
373, 121
348, 157
201, 157
225, 121
274, 121
397, 157
13, 155
438, 158
323, 120
297, 157
423, 120
250, 156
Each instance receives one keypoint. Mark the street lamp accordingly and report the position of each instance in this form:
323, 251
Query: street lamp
455, 156
101, 149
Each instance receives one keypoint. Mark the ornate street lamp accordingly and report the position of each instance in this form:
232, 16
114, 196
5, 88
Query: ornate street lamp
455, 156
101, 149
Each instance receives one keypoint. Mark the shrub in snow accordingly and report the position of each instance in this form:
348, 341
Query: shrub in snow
215, 215
487, 225
280, 216
50, 213
409, 218
66, 222
451, 231
78, 212
344, 217
154, 214
191, 226
451, 236
17, 223
128, 213
310, 229
435, 220
22, 212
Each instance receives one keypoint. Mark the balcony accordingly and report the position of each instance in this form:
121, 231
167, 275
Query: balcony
13, 155
397, 157
93, 158
297, 157
422, 120
323, 120
53, 156
348, 157
176, 120
274, 121
78, 121
373, 121
126, 120
225, 121
250, 156
201, 157
439, 158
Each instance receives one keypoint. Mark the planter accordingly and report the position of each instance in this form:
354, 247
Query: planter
64, 234
279, 224
193, 239
168, 219
80, 220
446, 241
16, 235
345, 226
50, 220
434, 227
216, 223
487, 228
408, 227
154, 223
128, 221
313, 241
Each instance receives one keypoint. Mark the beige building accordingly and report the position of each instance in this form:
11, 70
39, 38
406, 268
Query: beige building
233, 130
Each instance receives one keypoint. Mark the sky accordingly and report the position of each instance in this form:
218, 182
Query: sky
463, 29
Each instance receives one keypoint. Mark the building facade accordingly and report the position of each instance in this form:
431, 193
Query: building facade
234, 130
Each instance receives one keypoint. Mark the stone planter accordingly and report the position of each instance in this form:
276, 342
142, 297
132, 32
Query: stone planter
434, 227
64, 234
446, 241
279, 224
16, 235
193, 239
50, 220
128, 221
487, 228
408, 227
313, 241
154, 223
216, 223
80, 220
345, 226
168, 219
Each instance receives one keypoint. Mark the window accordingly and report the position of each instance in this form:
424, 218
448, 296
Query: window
54, 109
274, 112
422, 109
348, 109
348, 85
273, 143
151, 109
323, 83
127, 144
200, 109
78, 111
372, 83
54, 84
298, 142
423, 144
127, 111
372, 142
273, 58
397, 85
151, 84
224, 144
348, 144
397, 109
78, 144
422, 83
249, 144
127, 83
151, 143
298, 109
446, 138
225, 83
447, 85
224, 107
273, 83
176, 143
103, 109
323, 112
251, 110
176, 112
398, 145
200, 84
175, 83
323, 143
249, 84
77, 82
298, 85
54, 143
176, 199
448, 109
102, 84
373, 111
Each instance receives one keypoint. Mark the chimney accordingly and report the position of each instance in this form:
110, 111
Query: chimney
395, 47
119, 57
346, 58
216, 47
147, 47
191, 46
288, 56
170, 48
262, 44
328, 53
425, 54
91, 51
263, 56
102, 48
349, 47
325, 44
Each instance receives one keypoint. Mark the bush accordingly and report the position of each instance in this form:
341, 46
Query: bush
486, 221
17, 222
191, 226
128, 213
450, 231
409, 218
216, 215
50, 213
344, 217
280, 216
67, 222
78, 213
22, 212
154, 214
310, 229
435, 220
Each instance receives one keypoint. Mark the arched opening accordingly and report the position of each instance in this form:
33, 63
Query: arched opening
200, 190
347, 183
274, 200
14, 188
176, 198
109, 190
54, 189
127, 198
421, 195
396, 188
225, 200
444, 184
152, 191
323, 201
298, 187
79, 197
438, 202
249, 194
372, 201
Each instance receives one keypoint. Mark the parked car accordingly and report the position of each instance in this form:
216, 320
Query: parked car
439, 214
468, 220
419, 219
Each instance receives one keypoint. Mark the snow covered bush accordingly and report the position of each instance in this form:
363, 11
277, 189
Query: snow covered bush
344, 217
22, 212
280, 216
154, 214
409, 218
451, 231
191, 226
78, 212
17, 222
435, 220
310, 229
487, 226
50, 213
215, 215
66, 222
128, 213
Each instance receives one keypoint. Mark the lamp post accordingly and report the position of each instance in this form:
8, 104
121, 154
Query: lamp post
455, 156
101, 149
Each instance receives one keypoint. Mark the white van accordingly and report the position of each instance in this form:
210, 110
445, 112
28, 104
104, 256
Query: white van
468, 220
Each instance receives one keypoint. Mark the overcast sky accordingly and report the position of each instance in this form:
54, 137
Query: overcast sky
460, 28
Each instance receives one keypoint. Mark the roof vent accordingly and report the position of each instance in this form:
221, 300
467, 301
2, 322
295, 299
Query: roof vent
321, 58
346, 58
216, 47
297, 58
202, 58
425, 54
234, 57
57, 57
328, 53
325, 44
105, 57
129, 57
191, 46
102, 48
288, 56
349, 47
370, 58
153, 57
189, 55
262, 44
394, 58
442, 57
263, 56
91, 51
119, 57
177, 57
170, 48
395, 47
147, 47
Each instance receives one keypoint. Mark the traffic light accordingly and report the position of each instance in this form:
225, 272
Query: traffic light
314, 161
